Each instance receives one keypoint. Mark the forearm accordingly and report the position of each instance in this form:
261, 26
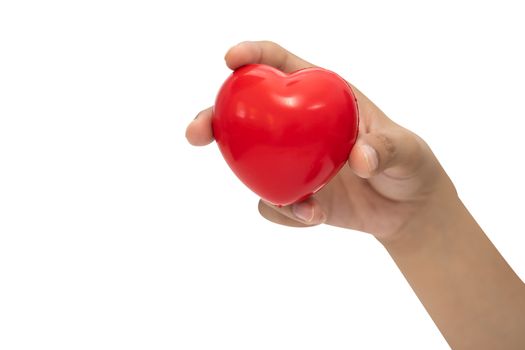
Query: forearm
471, 293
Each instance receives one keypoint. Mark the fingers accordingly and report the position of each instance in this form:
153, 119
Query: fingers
199, 132
302, 214
264, 52
273, 215
393, 150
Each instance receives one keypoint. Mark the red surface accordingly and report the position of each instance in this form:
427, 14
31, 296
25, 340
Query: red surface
285, 135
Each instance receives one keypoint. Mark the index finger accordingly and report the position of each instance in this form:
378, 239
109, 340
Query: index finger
264, 52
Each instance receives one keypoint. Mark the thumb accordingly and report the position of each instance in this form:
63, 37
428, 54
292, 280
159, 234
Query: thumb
394, 150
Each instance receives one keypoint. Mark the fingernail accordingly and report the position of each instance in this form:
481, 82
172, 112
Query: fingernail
303, 211
372, 160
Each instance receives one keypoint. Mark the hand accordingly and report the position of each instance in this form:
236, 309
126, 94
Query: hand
395, 189
392, 177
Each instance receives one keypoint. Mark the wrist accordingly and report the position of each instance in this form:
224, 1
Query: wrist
434, 223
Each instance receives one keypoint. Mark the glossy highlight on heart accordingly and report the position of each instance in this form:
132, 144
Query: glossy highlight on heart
285, 135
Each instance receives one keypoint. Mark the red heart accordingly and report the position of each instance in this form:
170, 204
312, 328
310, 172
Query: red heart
285, 135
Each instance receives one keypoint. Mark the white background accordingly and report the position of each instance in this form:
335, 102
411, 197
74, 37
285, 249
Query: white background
116, 234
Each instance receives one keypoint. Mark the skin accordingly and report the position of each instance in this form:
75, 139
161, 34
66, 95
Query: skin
395, 189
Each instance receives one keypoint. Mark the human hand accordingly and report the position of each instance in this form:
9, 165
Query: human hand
394, 188
392, 178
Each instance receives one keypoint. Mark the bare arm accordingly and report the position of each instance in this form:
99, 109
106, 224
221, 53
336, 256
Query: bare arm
469, 290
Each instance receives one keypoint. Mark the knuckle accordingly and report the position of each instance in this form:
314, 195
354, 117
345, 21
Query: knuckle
388, 145
270, 44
